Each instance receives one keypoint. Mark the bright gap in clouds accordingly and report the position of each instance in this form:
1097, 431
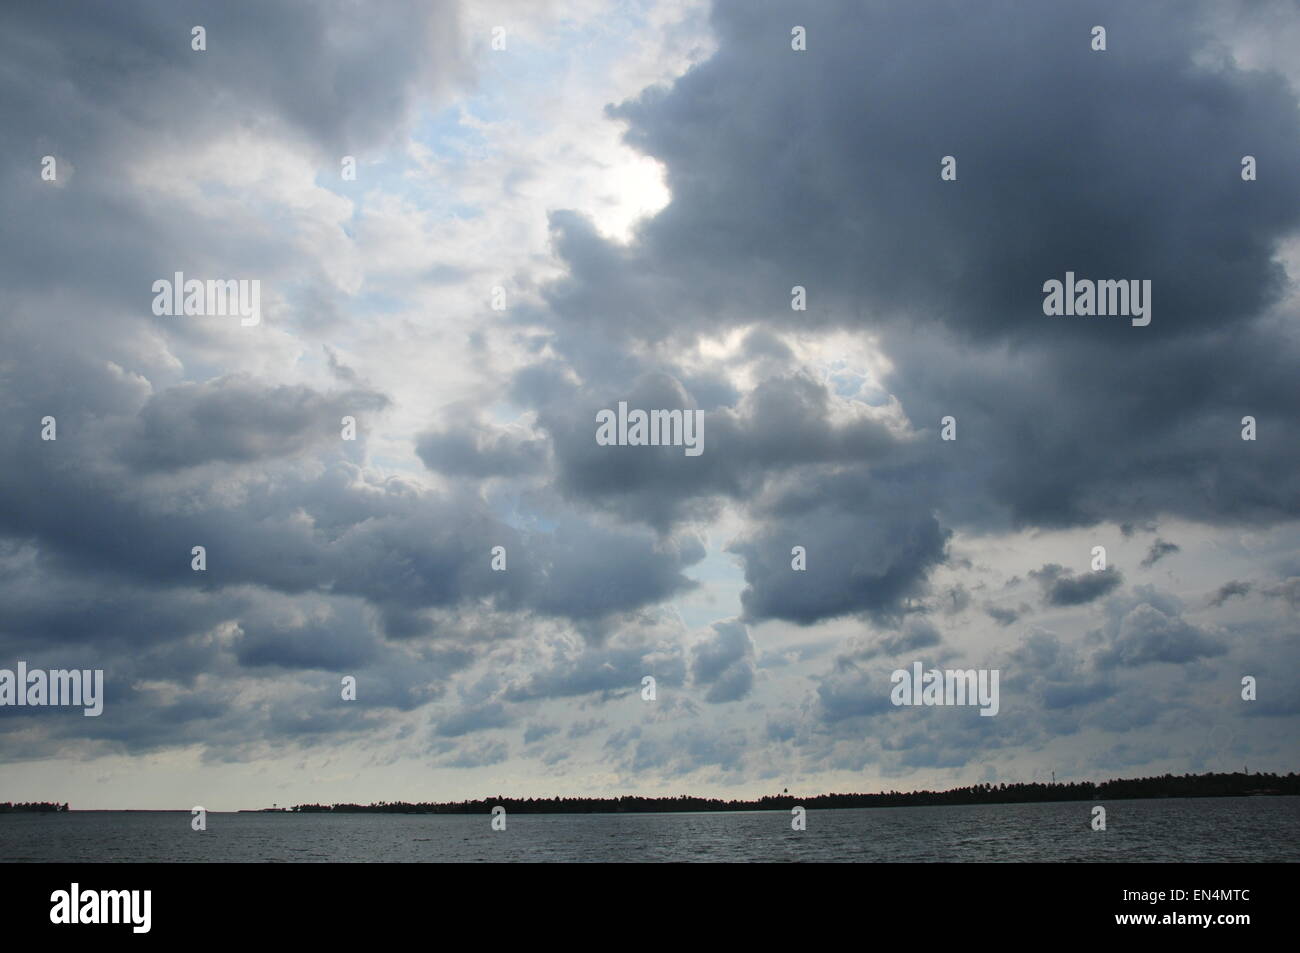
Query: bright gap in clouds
632, 188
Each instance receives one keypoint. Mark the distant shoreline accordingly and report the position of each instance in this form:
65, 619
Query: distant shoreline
1169, 786
1238, 784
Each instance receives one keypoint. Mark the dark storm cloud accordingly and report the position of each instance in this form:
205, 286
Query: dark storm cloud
862, 215
870, 540
782, 424
1098, 163
1062, 588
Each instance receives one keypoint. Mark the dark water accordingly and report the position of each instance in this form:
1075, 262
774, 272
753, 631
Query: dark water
1185, 829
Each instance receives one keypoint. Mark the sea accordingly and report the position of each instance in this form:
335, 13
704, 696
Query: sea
1181, 830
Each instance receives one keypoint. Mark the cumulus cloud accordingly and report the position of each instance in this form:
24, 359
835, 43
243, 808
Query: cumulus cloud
724, 661
1146, 627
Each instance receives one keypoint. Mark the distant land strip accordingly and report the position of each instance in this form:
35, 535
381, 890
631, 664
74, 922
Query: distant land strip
1238, 784
33, 807
1203, 785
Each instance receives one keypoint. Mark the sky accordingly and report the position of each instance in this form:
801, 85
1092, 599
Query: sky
561, 206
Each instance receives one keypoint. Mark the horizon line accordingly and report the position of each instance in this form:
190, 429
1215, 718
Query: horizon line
978, 793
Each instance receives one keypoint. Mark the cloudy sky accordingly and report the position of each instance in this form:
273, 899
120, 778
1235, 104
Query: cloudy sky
615, 207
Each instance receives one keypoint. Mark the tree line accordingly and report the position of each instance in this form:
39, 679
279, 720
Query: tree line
32, 807
1188, 785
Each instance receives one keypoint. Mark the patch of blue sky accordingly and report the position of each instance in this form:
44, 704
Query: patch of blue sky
853, 385
721, 581
396, 172
453, 136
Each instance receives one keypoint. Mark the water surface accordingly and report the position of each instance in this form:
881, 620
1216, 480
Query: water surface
1244, 829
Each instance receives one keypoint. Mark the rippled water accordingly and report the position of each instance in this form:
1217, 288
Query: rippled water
1191, 829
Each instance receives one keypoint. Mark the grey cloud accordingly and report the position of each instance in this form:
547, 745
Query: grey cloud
1228, 590
613, 668
1128, 529
1159, 549
949, 276
853, 693
481, 452
477, 718
333, 637
235, 419
915, 634
538, 731
1062, 588
724, 662
1002, 616
954, 600
680, 752
1287, 590
940, 275
784, 423
580, 729
341, 78
1056, 673
1147, 627
870, 538
478, 755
